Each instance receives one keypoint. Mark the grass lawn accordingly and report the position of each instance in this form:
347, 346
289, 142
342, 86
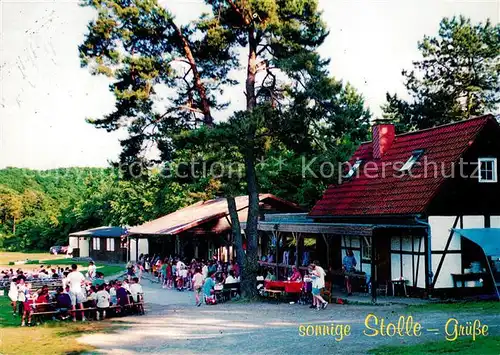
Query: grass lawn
482, 346
473, 306
52, 260
48, 338
6, 257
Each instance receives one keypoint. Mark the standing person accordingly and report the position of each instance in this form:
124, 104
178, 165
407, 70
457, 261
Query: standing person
21, 293
13, 295
197, 284
163, 272
91, 271
349, 265
130, 270
318, 284
76, 280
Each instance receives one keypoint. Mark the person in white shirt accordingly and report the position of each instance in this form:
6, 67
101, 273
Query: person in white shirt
136, 289
197, 284
91, 271
230, 279
204, 271
126, 285
75, 280
318, 284
103, 297
179, 266
13, 295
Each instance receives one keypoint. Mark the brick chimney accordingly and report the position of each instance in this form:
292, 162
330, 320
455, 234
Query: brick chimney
383, 137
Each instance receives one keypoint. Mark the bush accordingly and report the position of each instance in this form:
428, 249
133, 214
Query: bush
32, 262
11, 263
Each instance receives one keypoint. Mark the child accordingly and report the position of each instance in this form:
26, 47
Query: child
103, 299
29, 299
208, 287
197, 284
112, 293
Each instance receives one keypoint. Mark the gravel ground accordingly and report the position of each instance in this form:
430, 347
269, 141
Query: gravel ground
174, 325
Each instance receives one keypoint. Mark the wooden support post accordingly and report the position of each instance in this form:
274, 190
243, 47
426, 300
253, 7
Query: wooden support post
445, 252
136, 249
374, 279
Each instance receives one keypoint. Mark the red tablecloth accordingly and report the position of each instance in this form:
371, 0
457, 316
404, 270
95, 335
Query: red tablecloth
288, 286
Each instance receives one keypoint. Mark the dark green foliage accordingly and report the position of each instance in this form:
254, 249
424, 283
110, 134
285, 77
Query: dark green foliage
57, 202
457, 78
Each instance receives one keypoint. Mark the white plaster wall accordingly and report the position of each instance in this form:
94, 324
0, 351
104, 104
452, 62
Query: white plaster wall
473, 222
440, 232
395, 266
407, 269
73, 242
421, 270
143, 246
495, 221
84, 246
452, 264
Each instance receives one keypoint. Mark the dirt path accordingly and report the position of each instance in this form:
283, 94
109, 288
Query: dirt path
174, 325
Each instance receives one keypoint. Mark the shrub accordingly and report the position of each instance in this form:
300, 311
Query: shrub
32, 262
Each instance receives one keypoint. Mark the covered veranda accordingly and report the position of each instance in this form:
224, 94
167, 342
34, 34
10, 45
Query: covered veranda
286, 231
486, 269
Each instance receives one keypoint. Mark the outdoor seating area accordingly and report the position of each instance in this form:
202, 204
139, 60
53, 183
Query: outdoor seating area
68, 294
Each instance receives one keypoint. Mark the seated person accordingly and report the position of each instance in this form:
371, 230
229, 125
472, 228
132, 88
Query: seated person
112, 292
121, 295
63, 303
99, 280
270, 276
296, 275
136, 289
103, 299
230, 279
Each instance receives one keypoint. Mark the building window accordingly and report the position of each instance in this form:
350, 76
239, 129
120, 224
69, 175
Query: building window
110, 244
96, 243
353, 169
415, 155
366, 249
487, 170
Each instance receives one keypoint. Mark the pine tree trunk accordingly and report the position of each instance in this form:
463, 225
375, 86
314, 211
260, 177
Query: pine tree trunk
251, 231
251, 266
14, 225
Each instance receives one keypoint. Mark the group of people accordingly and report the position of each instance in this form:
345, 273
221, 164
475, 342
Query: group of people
77, 292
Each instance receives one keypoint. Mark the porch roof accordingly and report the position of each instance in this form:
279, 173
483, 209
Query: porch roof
299, 223
109, 232
486, 238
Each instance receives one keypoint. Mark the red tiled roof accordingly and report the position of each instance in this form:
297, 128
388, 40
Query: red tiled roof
200, 213
392, 195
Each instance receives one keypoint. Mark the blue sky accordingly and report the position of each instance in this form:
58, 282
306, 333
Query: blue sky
46, 96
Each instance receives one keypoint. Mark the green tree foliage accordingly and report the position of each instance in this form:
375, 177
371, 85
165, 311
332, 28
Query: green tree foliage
170, 80
57, 202
457, 77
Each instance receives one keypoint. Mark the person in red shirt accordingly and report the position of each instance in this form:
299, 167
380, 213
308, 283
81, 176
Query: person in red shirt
296, 275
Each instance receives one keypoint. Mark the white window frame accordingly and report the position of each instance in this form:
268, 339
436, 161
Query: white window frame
494, 170
366, 255
353, 169
96, 243
415, 155
110, 244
